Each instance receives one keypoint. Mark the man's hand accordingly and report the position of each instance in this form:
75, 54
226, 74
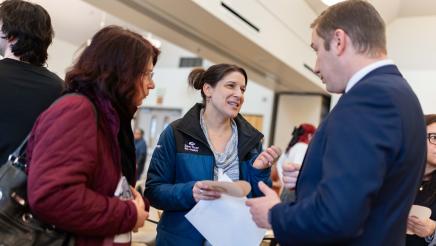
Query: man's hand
267, 157
290, 175
421, 227
259, 207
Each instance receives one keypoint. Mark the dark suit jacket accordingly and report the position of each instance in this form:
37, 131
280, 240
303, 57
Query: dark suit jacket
362, 168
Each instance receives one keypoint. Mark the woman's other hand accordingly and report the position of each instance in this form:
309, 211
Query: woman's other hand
267, 157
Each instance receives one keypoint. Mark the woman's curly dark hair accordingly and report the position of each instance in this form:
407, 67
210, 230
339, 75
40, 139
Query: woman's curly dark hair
115, 63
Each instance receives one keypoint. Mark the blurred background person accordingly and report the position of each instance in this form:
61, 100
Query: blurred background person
293, 155
141, 152
424, 229
27, 88
81, 152
211, 140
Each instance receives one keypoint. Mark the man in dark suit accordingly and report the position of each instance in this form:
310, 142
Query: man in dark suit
362, 168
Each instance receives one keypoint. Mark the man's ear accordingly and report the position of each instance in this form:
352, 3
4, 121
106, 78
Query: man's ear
339, 41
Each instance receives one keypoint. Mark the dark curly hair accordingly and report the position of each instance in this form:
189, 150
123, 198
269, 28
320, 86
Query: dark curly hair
30, 26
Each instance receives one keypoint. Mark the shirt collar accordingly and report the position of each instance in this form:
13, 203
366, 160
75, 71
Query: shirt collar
364, 71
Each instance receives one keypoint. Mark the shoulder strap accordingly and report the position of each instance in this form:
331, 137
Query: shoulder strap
18, 157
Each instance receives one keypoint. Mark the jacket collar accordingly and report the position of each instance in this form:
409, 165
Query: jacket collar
384, 70
248, 136
387, 69
366, 70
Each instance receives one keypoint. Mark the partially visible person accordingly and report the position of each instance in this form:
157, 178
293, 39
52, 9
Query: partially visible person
365, 162
141, 152
26, 87
211, 141
424, 229
81, 152
294, 155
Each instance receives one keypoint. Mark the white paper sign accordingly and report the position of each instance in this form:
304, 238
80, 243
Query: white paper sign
226, 222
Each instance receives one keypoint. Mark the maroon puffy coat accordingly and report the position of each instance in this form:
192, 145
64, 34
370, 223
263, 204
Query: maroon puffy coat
72, 175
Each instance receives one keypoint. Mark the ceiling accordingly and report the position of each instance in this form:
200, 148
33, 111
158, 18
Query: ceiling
87, 18
81, 19
391, 9
192, 27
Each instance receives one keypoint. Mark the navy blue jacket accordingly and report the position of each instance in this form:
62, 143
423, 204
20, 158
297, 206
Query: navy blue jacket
183, 157
362, 168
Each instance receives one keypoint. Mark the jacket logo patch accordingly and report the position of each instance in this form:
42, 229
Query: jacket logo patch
191, 147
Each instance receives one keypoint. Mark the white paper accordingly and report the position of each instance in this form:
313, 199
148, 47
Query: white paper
222, 176
226, 222
124, 193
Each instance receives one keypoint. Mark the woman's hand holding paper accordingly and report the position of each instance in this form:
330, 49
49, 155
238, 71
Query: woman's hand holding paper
202, 191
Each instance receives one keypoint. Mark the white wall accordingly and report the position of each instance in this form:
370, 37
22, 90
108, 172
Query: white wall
412, 42
424, 84
292, 111
60, 56
412, 45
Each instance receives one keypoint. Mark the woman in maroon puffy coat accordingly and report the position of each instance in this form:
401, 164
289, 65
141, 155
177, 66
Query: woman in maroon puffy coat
82, 146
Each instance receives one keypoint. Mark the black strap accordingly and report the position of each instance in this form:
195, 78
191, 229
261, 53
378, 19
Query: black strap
18, 157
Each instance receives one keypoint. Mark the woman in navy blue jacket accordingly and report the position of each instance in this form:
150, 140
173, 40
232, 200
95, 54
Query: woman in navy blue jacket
210, 140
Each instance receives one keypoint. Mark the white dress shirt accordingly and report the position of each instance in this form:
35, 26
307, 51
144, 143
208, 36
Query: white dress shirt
364, 71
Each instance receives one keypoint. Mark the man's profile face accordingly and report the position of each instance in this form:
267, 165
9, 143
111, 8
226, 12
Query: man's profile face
327, 66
